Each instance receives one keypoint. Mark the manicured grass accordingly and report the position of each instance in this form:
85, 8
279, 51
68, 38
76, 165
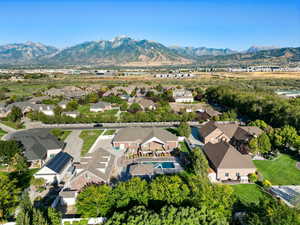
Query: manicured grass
183, 147
12, 124
65, 134
109, 132
85, 110
2, 133
281, 171
248, 193
60, 134
89, 137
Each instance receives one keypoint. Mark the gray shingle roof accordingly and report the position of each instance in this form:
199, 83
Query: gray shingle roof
37, 142
100, 105
139, 134
96, 160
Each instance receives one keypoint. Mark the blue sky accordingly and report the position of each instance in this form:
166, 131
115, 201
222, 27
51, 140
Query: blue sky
220, 23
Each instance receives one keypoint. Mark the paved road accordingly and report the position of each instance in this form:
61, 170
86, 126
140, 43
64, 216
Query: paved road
74, 144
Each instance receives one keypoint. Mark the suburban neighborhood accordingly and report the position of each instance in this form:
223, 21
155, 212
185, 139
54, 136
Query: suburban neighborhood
75, 141
151, 112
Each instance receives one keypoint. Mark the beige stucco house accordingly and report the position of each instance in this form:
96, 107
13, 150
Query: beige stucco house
143, 141
228, 163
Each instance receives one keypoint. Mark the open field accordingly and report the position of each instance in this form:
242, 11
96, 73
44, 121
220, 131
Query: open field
281, 171
267, 81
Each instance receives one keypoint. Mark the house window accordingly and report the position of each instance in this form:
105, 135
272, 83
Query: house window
238, 174
226, 174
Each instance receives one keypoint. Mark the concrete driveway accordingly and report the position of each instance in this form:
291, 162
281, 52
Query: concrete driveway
74, 144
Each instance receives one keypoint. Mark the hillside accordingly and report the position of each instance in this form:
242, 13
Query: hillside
125, 51
26, 53
119, 51
272, 56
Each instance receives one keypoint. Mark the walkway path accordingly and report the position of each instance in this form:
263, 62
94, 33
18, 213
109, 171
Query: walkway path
74, 144
7, 128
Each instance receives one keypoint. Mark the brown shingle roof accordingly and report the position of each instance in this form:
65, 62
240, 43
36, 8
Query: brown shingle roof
227, 128
247, 132
224, 155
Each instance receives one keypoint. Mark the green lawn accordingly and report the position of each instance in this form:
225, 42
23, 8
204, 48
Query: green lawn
281, 171
89, 137
85, 110
109, 132
12, 124
248, 193
183, 147
2, 133
65, 134
60, 134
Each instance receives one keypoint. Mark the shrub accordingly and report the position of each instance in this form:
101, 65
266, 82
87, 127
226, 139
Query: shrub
267, 183
253, 177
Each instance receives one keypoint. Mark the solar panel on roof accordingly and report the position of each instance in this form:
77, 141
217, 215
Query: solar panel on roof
59, 162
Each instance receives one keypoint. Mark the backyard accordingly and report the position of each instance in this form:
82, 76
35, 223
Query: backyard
248, 193
280, 171
89, 137
85, 110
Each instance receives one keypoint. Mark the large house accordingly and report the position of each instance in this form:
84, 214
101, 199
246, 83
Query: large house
56, 169
215, 132
232, 132
182, 95
39, 145
227, 162
28, 107
206, 114
146, 103
94, 167
100, 107
243, 135
145, 141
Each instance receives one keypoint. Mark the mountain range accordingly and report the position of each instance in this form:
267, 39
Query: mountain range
125, 51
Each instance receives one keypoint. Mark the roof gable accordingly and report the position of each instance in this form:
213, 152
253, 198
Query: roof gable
224, 155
